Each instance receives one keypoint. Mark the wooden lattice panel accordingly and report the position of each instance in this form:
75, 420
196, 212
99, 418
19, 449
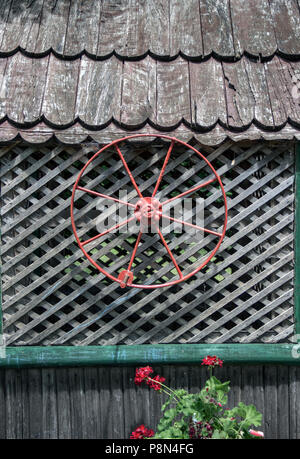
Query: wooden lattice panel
52, 295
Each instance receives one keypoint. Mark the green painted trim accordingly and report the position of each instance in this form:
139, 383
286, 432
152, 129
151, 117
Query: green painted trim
192, 354
297, 242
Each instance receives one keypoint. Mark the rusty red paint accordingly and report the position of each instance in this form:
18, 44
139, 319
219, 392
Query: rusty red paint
147, 210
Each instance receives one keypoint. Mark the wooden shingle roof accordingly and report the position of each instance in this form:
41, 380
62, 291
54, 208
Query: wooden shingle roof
208, 69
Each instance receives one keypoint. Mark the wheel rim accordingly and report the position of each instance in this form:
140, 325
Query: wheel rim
148, 207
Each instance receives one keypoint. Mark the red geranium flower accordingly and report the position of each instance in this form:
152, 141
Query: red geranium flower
256, 433
142, 432
212, 361
141, 374
156, 385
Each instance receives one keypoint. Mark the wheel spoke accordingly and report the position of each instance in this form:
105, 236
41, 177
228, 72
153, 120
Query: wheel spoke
108, 230
163, 168
192, 225
134, 250
128, 171
191, 190
104, 196
170, 253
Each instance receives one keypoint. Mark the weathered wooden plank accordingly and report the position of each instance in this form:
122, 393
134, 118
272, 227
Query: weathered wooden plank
294, 418
22, 24
157, 13
92, 427
208, 102
4, 12
216, 28
240, 102
25, 402
35, 404
83, 28
114, 24
2, 405
138, 92
49, 403
283, 81
185, 29
3, 90
134, 398
252, 387
63, 403
124, 27
78, 410
61, 91
52, 29
99, 91
173, 98
156, 400
13, 408
271, 401
286, 20
136, 41
234, 375
281, 100
23, 86
283, 402
116, 410
105, 412
252, 26
263, 112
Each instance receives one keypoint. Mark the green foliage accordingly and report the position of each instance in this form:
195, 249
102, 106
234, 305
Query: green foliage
205, 413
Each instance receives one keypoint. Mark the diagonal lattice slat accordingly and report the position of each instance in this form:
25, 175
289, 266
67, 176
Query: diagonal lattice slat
53, 295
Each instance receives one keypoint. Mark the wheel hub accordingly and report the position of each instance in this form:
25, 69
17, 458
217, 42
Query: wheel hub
148, 210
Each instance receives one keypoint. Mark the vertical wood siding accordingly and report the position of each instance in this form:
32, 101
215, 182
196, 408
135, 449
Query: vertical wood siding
105, 403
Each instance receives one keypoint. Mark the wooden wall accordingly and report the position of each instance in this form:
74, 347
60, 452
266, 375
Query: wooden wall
105, 403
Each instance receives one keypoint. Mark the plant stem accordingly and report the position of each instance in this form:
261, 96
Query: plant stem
166, 387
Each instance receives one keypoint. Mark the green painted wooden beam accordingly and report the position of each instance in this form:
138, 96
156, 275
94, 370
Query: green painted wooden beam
73, 356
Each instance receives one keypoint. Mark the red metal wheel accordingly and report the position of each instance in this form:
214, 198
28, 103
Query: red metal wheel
148, 210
